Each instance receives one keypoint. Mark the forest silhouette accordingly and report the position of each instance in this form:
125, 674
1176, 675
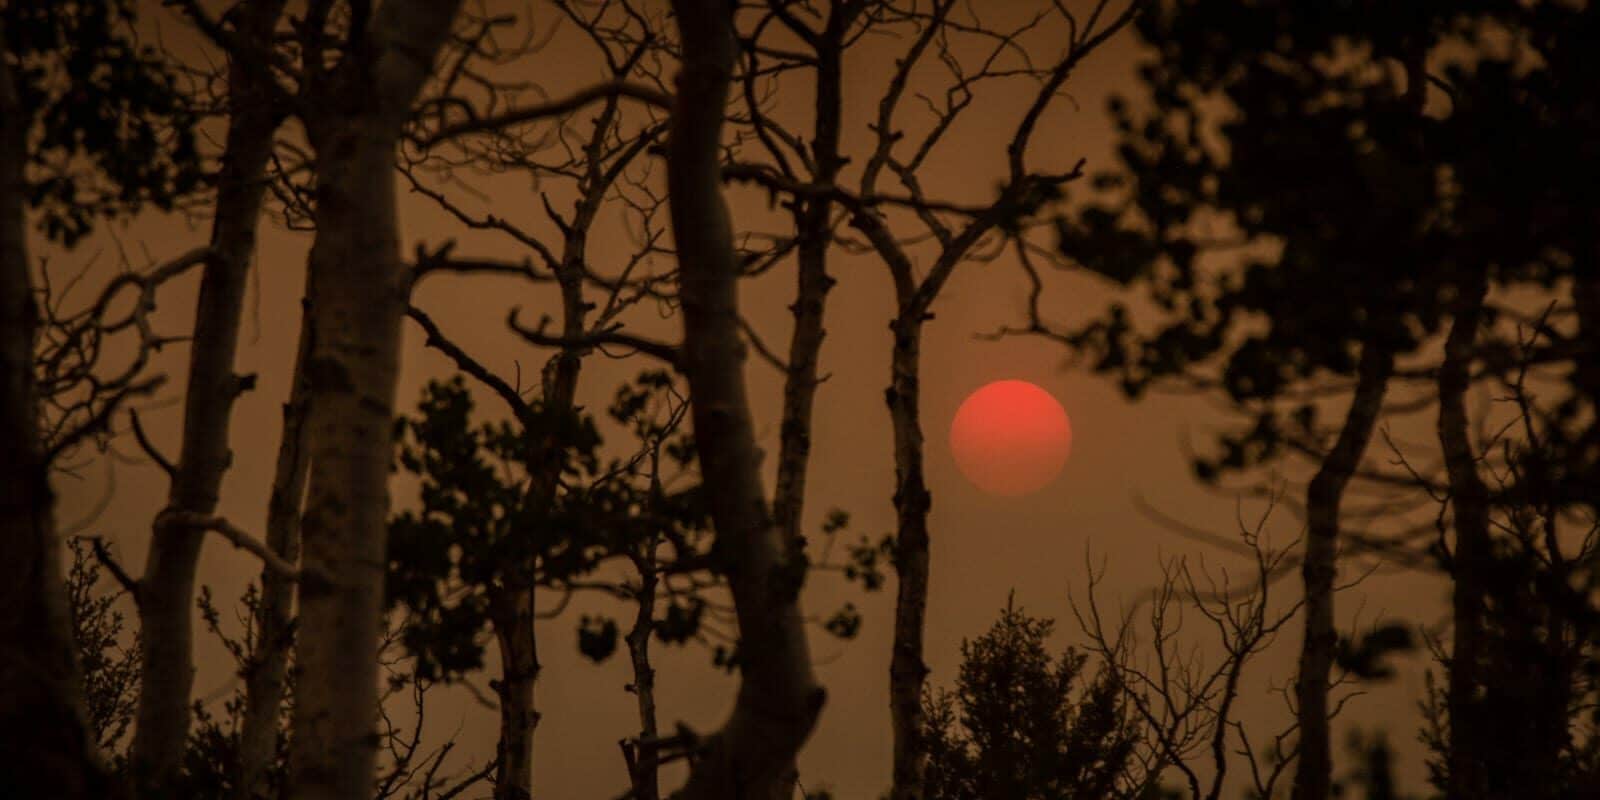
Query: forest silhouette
358, 360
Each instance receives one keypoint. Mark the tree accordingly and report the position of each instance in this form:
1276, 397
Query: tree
1520, 604
937, 37
600, 167
256, 106
1024, 724
353, 112
267, 671
1252, 277
68, 73
752, 755
479, 529
1185, 707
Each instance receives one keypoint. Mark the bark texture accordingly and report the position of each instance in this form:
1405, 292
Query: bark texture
358, 291
644, 763
907, 669
1313, 774
166, 608
519, 669
47, 749
269, 666
753, 754
513, 608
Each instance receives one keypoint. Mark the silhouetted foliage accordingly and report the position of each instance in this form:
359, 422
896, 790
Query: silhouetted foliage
1024, 724
479, 524
113, 124
108, 653
1283, 195
1313, 199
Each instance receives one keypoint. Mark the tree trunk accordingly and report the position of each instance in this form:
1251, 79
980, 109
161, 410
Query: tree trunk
356, 302
1470, 735
813, 220
49, 750
753, 755
358, 287
645, 768
166, 607
907, 670
1314, 773
512, 608
269, 667
519, 669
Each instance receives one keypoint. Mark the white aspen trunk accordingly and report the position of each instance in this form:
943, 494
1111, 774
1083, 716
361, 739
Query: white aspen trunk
519, 671
166, 592
358, 295
269, 667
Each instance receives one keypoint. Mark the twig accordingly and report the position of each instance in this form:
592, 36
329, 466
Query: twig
597, 338
103, 555
554, 108
149, 447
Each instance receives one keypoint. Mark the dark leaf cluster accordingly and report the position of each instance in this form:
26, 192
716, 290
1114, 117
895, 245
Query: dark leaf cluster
1024, 724
112, 125
525, 504
1329, 177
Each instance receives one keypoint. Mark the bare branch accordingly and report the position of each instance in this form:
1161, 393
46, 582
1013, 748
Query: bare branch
554, 108
611, 335
149, 447
241, 540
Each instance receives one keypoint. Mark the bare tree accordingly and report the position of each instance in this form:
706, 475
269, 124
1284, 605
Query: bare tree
1185, 707
596, 160
753, 754
1022, 191
816, 160
1469, 496
167, 588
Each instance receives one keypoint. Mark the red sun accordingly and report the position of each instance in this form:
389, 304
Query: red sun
1010, 438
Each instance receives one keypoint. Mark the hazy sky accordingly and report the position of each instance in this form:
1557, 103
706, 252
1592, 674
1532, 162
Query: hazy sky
983, 547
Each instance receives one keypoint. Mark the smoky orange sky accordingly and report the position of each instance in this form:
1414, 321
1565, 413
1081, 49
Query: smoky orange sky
984, 547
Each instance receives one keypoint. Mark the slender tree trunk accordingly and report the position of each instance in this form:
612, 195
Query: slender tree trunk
814, 230
907, 670
269, 667
753, 755
356, 302
48, 749
358, 288
1470, 735
513, 608
645, 770
519, 669
166, 611
1314, 773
